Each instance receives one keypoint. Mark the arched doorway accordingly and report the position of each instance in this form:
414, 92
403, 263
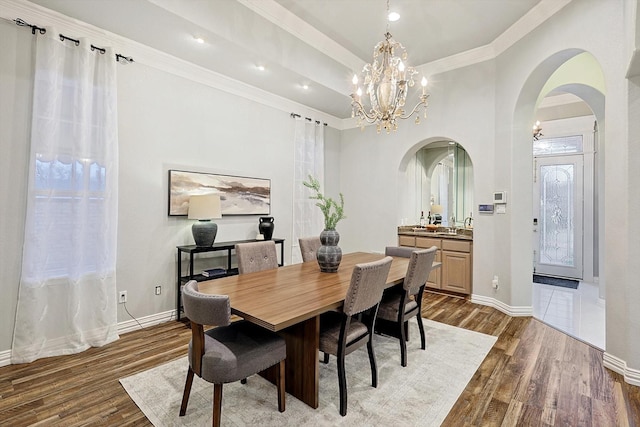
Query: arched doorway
576, 74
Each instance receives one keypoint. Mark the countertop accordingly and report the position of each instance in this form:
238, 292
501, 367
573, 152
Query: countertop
442, 233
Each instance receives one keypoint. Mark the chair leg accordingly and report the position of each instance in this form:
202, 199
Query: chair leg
187, 391
217, 405
423, 339
326, 358
280, 383
403, 343
372, 362
342, 384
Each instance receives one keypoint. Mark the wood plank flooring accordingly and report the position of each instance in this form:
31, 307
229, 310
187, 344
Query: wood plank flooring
534, 375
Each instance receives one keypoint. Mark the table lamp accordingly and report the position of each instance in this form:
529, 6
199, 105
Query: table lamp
436, 209
204, 208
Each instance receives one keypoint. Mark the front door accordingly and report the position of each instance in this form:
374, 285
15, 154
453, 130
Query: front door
558, 211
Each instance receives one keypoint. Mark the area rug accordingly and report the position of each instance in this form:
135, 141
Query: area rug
556, 281
420, 394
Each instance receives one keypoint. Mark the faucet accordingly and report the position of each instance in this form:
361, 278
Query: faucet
470, 218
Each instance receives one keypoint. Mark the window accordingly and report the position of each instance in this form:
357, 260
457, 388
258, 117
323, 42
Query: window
560, 145
66, 187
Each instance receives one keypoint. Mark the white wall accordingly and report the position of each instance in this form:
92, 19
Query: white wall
168, 121
489, 108
373, 166
15, 114
165, 122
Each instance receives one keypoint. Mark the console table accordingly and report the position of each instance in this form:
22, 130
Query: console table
192, 250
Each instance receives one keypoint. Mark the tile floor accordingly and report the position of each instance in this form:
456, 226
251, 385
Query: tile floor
578, 312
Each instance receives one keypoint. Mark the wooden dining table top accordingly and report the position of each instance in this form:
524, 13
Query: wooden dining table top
281, 297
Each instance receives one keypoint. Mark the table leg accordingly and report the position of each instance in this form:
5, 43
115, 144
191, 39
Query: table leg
302, 373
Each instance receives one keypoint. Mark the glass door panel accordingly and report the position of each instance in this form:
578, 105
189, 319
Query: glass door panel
559, 195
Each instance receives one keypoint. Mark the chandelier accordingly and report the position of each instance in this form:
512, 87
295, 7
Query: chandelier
386, 81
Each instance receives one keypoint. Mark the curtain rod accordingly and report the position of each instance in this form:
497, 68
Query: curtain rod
22, 23
309, 119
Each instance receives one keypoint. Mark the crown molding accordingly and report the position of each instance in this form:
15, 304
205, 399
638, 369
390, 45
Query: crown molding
288, 21
539, 14
529, 22
154, 58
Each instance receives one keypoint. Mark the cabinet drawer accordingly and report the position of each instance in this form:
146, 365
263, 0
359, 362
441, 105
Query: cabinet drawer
407, 241
456, 245
427, 242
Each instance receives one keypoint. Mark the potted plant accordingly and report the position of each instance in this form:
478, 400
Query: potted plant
329, 254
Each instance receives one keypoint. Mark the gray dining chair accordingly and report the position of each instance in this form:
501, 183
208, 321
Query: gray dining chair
342, 332
309, 247
256, 256
231, 351
401, 303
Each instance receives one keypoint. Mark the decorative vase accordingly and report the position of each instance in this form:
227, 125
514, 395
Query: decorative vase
329, 254
266, 227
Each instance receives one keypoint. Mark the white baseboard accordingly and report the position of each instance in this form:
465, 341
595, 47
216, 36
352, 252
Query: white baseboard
123, 328
631, 376
154, 319
513, 311
5, 358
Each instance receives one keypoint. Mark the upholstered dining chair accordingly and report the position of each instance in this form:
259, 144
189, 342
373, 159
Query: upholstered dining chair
308, 247
342, 332
229, 352
399, 304
256, 256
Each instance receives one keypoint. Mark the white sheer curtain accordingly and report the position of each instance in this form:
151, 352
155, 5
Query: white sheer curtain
67, 299
309, 160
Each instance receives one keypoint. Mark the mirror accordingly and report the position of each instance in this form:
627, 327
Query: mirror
443, 178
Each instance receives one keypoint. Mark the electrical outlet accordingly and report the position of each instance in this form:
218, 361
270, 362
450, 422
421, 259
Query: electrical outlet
158, 290
122, 297
494, 282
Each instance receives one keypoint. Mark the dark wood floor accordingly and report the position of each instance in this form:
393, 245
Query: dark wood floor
534, 375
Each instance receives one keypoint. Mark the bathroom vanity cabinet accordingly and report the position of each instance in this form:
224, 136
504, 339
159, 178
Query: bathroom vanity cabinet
455, 252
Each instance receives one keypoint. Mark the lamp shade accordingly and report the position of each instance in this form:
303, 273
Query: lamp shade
436, 209
204, 208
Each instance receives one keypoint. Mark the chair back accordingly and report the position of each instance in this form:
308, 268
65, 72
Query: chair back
204, 309
309, 247
401, 251
256, 256
419, 269
368, 281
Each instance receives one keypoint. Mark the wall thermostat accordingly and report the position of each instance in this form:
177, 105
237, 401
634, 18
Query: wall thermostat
500, 197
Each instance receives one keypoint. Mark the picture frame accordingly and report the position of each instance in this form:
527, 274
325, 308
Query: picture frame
239, 195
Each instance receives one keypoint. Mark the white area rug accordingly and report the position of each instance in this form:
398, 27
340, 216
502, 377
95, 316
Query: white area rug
421, 394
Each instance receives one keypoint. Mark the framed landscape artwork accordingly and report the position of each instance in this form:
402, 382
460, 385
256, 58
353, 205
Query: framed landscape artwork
238, 195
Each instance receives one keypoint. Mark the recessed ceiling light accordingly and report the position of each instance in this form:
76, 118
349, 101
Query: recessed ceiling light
394, 16
305, 87
199, 40
260, 67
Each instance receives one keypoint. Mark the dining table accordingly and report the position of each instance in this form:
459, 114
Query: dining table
289, 300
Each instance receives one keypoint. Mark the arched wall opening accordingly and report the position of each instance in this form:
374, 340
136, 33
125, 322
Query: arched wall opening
558, 72
419, 192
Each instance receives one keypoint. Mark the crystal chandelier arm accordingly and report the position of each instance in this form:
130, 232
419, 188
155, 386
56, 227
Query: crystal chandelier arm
359, 110
419, 105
